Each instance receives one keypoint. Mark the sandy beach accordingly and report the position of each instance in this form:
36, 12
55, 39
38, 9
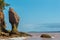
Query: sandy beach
15, 38
36, 36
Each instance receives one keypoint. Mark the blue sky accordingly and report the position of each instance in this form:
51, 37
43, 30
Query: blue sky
34, 12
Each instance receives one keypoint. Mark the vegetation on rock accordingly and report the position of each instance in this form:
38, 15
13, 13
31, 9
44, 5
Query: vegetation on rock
2, 5
14, 20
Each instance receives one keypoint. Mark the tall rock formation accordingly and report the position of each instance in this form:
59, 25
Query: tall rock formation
2, 25
2, 22
14, 20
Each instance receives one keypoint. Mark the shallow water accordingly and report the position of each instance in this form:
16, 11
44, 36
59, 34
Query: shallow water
36, 36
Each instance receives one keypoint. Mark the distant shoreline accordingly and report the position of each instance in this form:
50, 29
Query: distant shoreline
45, 32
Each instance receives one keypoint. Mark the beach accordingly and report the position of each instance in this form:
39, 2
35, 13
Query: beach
15, 38
36, 36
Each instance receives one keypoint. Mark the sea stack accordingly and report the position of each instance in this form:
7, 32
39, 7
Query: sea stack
14, 20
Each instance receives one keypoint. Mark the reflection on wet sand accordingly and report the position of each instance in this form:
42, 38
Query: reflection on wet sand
46, 39
39, 39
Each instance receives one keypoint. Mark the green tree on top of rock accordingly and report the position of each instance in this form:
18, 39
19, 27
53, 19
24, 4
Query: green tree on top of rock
2, 22
2, 5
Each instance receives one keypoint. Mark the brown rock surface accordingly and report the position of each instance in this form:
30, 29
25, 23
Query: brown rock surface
45, 36
2, 19
2, 22
14, 20
13, 17
3, 31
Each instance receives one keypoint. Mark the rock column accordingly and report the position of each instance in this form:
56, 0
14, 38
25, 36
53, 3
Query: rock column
14, 20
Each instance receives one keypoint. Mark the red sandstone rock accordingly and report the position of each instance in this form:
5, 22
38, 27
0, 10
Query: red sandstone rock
2, 22
13, 17
14, 20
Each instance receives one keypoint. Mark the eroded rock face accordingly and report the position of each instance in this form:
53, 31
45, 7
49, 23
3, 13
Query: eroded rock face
3, 31
2, 22
13, 19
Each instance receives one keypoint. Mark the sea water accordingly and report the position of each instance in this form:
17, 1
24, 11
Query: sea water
40, 28
51, 29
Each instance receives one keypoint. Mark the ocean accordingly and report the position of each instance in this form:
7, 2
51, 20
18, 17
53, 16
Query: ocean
40, 28
37, 30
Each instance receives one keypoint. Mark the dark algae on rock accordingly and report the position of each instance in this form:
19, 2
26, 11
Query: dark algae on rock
45, 36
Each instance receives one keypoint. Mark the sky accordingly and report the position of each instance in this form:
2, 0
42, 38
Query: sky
33, 13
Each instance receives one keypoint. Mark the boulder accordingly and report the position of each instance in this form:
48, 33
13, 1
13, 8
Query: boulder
45, 36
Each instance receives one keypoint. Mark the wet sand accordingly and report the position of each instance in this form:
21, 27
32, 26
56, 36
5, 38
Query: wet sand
36, 36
